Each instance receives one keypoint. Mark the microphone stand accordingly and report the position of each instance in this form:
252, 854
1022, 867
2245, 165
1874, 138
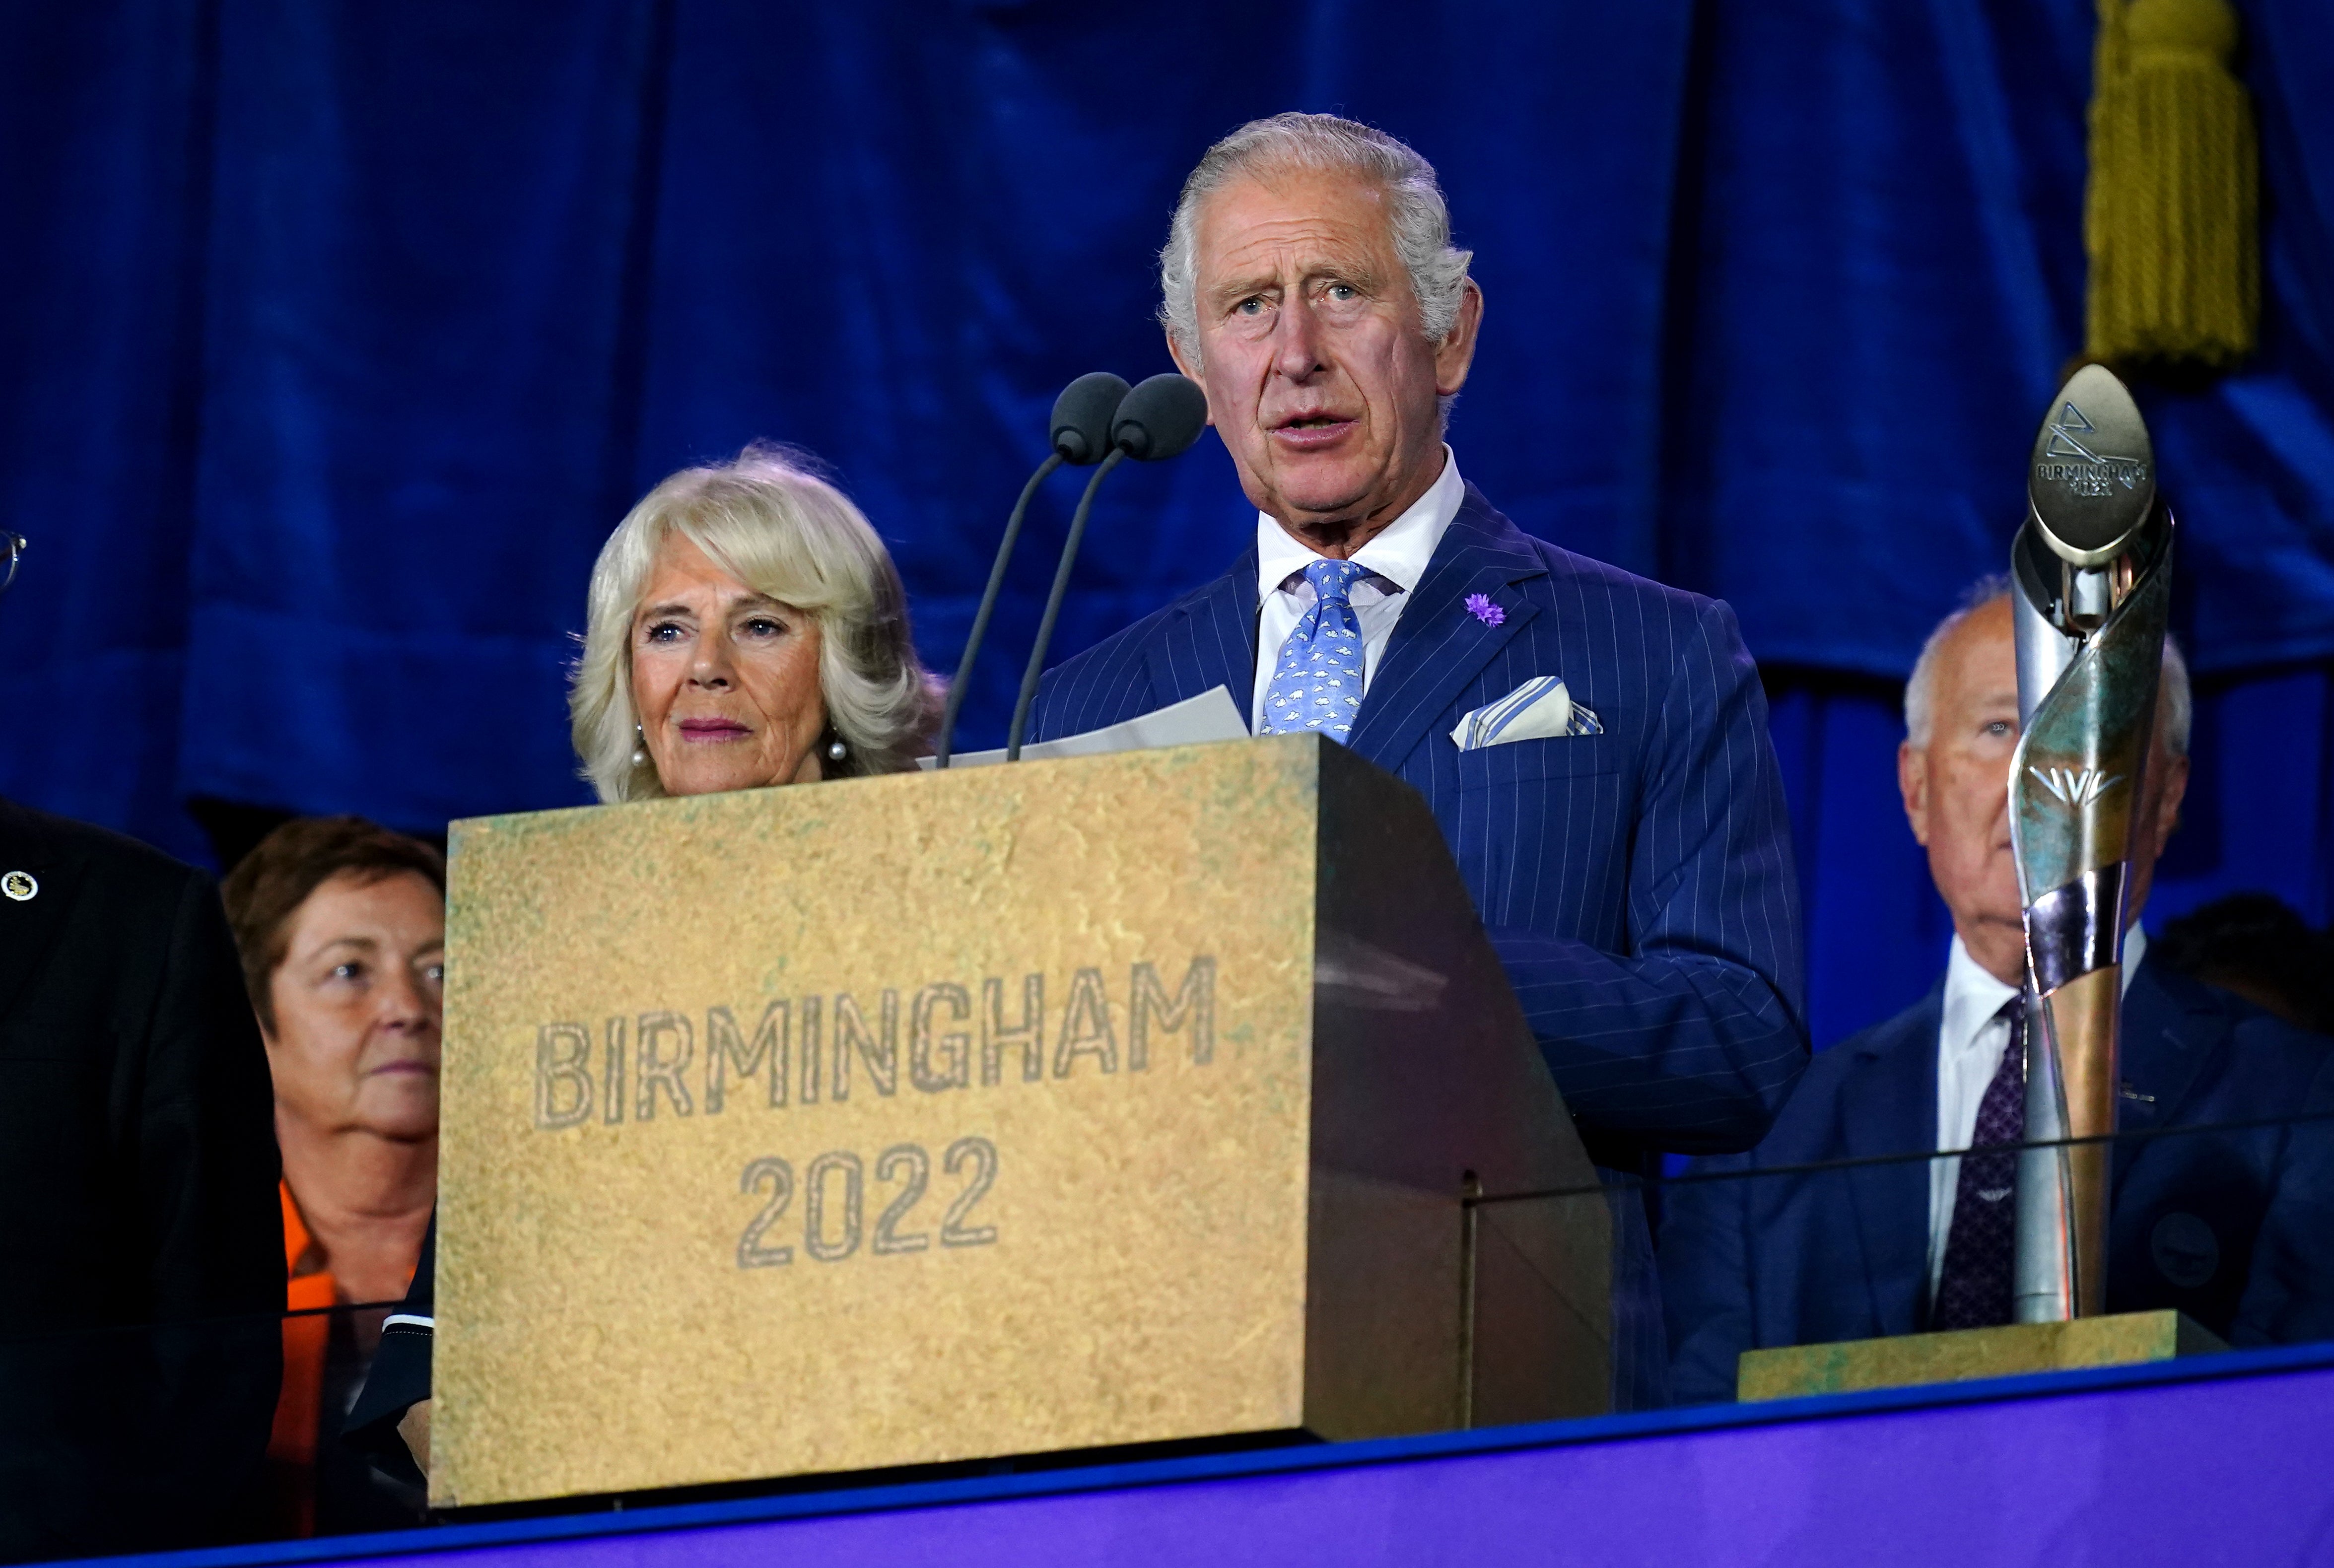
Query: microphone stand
1054, 605
988, 607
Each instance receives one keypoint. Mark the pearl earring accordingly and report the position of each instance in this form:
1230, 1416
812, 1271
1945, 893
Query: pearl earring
640, 747
836, 750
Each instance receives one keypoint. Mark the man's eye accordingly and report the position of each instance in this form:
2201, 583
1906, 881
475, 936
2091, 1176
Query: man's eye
1250, 306
1343, 293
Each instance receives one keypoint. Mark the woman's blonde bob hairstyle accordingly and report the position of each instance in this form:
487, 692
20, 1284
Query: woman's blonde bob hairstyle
777, 527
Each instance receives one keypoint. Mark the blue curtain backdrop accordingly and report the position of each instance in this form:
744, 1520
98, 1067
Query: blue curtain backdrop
337, 335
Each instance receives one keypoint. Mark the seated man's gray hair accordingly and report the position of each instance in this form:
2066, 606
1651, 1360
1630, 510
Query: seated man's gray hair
1415, 206
2175, 704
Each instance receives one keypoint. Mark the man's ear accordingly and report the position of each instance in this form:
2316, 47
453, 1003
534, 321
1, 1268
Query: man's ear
1175, 353
1455, 354
1912, 782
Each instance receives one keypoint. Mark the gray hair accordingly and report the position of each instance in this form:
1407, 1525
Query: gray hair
1415, 211
777, 527
2175, 703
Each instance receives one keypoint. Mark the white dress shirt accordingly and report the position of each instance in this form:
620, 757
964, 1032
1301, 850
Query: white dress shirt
1396, 560
1971, 1038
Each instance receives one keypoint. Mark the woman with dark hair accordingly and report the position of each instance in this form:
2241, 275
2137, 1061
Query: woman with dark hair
341, 926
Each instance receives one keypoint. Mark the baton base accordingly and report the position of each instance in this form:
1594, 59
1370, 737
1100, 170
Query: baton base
1961, 1355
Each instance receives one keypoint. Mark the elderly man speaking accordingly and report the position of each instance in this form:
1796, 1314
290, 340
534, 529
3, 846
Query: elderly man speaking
1593, 745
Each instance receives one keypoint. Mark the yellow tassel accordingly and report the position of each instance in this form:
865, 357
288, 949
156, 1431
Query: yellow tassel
2170, 219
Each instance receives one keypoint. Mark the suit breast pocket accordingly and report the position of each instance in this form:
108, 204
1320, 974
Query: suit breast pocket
1540, 836
1522, 761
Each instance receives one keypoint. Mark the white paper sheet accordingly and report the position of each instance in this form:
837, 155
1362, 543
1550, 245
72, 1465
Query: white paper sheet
1211, 715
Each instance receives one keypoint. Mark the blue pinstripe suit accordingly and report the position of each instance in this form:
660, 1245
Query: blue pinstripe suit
1637, 884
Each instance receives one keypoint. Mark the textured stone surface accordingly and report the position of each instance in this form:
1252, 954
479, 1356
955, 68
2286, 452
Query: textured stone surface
1966, 1353
624, 1304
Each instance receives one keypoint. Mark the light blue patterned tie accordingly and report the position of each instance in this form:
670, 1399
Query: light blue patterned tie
1318, 684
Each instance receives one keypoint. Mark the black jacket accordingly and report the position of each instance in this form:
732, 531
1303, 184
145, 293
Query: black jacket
140, 1345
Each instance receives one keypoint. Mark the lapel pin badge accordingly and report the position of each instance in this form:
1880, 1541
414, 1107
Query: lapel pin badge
19, 886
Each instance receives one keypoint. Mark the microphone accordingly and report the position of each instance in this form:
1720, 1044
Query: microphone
1159, 420
1080, 432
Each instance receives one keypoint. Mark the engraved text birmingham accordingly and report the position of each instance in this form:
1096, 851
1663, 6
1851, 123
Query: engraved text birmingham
810, 1048
2095, 472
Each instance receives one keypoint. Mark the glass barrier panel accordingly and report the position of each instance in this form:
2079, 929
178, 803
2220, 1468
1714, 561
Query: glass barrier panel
1629, 1295
2230, 1225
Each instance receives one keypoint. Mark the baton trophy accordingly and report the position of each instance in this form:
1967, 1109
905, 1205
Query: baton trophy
2090, 590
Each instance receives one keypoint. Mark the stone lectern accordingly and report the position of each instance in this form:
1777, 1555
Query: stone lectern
885, 1122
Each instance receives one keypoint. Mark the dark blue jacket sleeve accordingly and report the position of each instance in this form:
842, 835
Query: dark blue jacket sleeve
1691, 1039
1705, 1258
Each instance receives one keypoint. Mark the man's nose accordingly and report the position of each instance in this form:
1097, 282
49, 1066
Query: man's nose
1297, 341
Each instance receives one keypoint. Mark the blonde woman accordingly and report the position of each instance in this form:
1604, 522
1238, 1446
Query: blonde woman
748, 629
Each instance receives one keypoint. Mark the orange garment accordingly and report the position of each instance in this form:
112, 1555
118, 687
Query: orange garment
292, 1444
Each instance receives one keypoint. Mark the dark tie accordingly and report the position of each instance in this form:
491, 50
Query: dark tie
1973, 1289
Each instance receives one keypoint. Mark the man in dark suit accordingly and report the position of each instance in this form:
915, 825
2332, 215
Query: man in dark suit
139, 1339
1893, 1247
1610, 793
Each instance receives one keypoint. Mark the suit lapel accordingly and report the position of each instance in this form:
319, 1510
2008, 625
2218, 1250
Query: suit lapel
1889, 1107
29, 926
1439, 645
1209, 640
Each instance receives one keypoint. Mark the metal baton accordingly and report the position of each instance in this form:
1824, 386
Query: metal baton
2091, 586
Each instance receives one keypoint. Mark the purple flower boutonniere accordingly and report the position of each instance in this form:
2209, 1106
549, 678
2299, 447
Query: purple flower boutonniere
1480, 607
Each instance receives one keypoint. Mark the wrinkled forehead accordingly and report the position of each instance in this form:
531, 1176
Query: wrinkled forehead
359, 905
1280, 214
1981, 652
689, 568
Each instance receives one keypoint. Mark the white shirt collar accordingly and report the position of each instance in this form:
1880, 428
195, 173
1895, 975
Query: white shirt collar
1972, 997
1399, 553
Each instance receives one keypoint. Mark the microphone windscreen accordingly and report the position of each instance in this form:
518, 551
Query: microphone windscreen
1082, 415
1160, 418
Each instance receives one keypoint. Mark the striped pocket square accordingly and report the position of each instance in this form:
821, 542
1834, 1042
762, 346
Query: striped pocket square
1539, 708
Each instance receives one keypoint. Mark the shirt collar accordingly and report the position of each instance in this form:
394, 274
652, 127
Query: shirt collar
1972, 997
1399, 553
